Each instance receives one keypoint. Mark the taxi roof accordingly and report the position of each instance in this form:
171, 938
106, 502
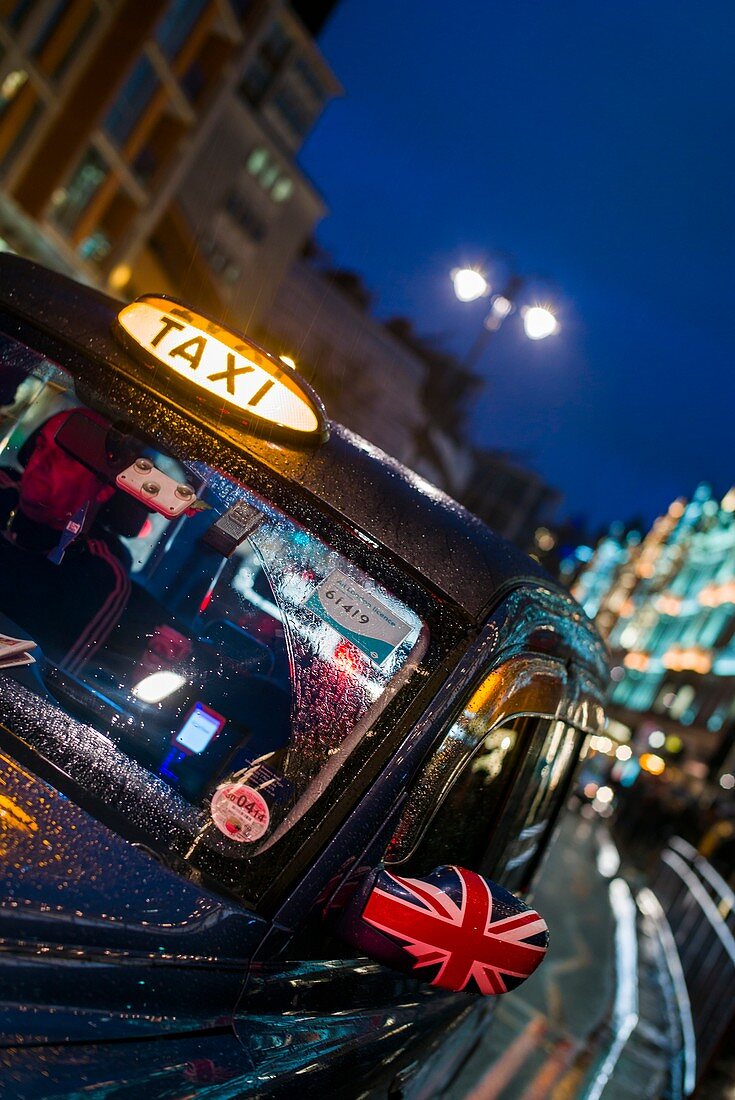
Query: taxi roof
458, 555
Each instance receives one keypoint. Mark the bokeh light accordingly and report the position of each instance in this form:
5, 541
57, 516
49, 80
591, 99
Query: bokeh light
539, 322
469, 284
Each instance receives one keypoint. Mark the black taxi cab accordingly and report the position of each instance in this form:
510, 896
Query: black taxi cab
284, 731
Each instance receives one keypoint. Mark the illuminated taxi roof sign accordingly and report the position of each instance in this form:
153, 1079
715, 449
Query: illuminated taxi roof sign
266, 396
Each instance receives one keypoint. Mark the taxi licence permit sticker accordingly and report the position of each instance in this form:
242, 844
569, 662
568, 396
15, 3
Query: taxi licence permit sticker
240, 812
358, 615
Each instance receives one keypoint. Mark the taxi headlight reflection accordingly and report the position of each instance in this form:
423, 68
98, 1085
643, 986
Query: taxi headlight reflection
157, 686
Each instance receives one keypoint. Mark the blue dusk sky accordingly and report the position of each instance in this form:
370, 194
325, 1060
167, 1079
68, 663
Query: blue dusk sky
593, 141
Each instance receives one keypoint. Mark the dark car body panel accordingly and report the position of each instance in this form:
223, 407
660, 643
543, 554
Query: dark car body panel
149, 936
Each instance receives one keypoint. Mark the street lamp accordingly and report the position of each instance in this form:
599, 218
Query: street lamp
470, 284
539, 322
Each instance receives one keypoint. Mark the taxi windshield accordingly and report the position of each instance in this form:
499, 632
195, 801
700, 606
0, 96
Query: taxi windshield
217, 643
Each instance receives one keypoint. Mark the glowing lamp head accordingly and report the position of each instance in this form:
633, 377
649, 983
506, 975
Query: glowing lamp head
539, 322
469, 284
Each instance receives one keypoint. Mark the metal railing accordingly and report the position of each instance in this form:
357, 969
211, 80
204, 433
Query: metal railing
699, 908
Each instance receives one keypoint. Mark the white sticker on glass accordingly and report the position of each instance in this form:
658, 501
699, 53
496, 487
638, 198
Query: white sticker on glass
358, 615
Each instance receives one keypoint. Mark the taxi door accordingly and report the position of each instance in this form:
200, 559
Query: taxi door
487, 796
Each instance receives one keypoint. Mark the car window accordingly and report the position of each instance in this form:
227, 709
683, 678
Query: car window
492, 785
199, 630
534, 799
497, 812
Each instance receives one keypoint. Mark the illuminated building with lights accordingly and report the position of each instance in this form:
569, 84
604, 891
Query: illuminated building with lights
600, 569
106, 110
667, 607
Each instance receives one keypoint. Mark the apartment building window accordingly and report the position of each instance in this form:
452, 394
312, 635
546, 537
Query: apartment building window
177, 24
193, 82
293, 111
20, 109
161, 146
62, 36
258, 78
276, 44
134, 97
95, 247
264, 67
15, 14
274, 182
310, 79
245, 217
113, 223
203, 75
70, 202
23, 134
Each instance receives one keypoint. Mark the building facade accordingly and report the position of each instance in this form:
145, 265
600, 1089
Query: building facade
509, 497
666, 604
368, 379
106, 108
244, 210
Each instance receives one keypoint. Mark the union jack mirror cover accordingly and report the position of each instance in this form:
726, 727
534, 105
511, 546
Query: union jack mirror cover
453, 928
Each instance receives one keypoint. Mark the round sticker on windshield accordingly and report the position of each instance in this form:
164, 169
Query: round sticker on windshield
240, 812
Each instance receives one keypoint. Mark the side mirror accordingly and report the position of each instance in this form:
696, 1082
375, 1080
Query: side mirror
453, 927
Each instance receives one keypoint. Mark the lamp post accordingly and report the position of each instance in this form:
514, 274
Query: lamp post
471, 283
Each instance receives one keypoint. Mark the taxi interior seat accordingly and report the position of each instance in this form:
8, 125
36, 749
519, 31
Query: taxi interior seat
122, 516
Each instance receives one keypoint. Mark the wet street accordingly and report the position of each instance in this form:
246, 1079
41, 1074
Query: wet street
602, 1018
535, 1048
